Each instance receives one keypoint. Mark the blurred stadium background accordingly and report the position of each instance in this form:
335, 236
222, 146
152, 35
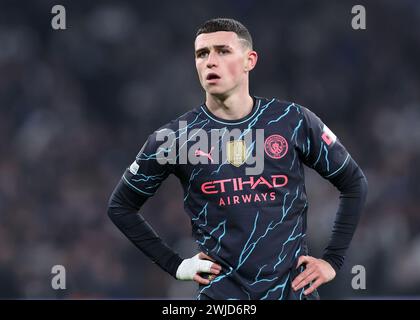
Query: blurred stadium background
76, 106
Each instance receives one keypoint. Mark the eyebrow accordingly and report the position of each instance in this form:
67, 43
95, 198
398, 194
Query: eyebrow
221, 46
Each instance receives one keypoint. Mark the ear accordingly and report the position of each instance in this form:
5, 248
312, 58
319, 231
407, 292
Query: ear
251, 60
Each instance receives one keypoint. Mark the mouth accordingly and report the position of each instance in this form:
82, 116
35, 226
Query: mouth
212, 76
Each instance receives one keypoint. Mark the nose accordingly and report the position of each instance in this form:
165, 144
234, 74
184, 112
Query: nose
211, 60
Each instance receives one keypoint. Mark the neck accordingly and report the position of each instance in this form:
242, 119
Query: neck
233, 107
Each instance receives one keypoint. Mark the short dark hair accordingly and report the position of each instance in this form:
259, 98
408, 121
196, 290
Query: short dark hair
226, 24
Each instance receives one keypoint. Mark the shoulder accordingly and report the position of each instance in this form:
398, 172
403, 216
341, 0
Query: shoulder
301, 110
279, 104
283, 108
169, 133
191, 116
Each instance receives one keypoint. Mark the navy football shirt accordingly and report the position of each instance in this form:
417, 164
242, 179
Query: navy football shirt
252, 225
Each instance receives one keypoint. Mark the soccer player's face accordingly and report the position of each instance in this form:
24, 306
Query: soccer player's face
222, 62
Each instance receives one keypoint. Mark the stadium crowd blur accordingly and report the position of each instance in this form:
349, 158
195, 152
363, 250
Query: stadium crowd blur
77, 104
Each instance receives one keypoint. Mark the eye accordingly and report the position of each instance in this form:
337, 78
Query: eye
223, 51
202, 54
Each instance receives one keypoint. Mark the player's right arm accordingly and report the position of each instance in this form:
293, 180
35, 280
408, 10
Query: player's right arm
139, 182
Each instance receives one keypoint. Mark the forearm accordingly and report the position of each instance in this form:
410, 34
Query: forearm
353, 188
123, 208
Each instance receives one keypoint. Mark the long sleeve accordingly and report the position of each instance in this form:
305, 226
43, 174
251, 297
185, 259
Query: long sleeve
123, 210
321, 150
139, 182
353, 191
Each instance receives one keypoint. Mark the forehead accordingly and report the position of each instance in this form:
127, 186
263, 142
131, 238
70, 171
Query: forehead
219, 38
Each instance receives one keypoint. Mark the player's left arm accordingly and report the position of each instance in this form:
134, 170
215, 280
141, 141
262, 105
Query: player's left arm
321, 150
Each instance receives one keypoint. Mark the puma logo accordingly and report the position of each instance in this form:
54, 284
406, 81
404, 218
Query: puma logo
199, 153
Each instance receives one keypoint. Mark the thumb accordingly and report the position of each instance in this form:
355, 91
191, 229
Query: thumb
301, 260
202, 255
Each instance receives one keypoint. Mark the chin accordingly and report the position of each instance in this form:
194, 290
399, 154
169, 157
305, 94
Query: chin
217, 91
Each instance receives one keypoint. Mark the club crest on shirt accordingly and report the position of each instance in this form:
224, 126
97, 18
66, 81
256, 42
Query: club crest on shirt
236, 152
276, 146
